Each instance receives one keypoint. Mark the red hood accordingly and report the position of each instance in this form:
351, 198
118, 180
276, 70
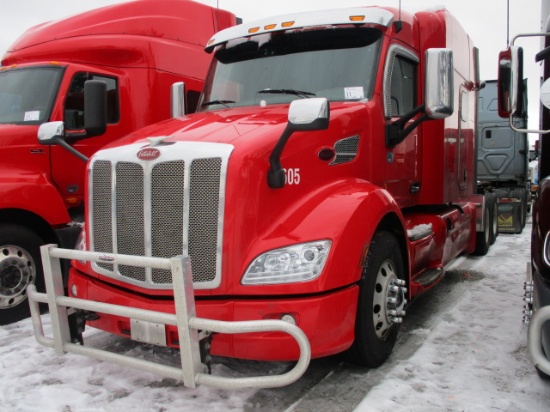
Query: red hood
222, 126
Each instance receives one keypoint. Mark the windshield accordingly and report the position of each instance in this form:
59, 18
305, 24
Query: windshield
27, 95
336, 63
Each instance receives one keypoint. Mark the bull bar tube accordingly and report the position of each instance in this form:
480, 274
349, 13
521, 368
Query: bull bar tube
191, 329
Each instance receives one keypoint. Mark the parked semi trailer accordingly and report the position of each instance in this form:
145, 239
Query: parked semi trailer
503, 159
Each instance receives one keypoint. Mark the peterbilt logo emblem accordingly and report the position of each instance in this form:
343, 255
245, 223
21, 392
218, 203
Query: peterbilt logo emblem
148, 154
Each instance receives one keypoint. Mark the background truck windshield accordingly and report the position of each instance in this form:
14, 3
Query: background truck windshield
336, 63
27, 95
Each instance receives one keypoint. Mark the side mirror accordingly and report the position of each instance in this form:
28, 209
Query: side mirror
52, 133
510, 87
177, 99
49, 133
309, 114
545, 94
439, 93
95, 107
303, 115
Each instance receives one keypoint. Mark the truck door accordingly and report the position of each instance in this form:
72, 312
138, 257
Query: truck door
402, 175
67, 170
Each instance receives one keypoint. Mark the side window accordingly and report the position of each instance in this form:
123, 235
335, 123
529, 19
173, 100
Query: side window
401, 82
74, 103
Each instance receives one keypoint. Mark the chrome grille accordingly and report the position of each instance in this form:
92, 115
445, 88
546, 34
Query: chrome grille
101, 206
203, 217
160, 208
167, 205
346, 150
130, 215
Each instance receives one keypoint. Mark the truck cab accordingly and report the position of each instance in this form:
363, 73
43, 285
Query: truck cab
138, 49
326, 180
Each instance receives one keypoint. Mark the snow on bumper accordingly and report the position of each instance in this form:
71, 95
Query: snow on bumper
191, 329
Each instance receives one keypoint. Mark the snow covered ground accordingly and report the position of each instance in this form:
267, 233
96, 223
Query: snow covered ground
469, 356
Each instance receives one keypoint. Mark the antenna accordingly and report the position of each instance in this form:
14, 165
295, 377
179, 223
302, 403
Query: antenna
507, 23
217, 15
398, 24
399, 9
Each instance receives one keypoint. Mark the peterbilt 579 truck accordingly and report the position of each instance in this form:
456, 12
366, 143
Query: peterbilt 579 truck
139, 49
327, 179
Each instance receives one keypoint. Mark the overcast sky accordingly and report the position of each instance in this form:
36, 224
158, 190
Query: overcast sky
484, 20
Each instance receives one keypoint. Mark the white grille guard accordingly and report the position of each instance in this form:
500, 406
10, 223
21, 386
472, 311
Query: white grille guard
191, 329
541, 361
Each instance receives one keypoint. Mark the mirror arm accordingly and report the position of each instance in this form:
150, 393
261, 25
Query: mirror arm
542, 55
276, 174
396, 131
59, 140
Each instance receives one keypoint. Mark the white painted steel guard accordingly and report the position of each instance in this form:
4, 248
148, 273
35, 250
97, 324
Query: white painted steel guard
192, 372
540, 360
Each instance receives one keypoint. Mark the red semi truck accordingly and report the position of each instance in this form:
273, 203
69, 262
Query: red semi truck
327, 179
139, 49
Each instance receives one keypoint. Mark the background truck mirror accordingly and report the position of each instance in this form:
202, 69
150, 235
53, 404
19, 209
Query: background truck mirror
510, 88
95, 107
439, 91
177, 99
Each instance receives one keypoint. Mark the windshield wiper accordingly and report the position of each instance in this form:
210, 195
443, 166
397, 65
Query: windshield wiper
288, 91
224, 102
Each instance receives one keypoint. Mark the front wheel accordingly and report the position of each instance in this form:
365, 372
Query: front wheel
20, 266
381, 304
483, 239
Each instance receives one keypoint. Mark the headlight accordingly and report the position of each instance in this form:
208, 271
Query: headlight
296, 263
546, 250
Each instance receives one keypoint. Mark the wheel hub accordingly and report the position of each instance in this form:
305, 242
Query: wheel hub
16, 273
389, 299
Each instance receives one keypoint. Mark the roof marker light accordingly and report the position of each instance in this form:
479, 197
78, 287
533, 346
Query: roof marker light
211, 41
357, 18
270, 26
287, 24
253, 29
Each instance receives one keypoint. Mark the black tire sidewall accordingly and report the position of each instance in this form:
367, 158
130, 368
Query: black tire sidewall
370, 349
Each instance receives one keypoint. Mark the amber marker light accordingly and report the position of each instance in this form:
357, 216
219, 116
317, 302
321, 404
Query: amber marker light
270, 26
357, 18
287, 24
72, 201
210, 42
253, 29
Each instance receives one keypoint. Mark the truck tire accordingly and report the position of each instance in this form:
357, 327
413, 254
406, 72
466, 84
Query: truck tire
525, 207
483, 239
493, 208
522, 195
20, 266
375, 330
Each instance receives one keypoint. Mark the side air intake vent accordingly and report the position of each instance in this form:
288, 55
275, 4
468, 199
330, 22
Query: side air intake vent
346, 150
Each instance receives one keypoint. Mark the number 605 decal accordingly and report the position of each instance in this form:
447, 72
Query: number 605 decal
292, 176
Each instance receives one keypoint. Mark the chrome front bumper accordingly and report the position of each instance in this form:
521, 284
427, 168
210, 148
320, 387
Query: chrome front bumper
191, 329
